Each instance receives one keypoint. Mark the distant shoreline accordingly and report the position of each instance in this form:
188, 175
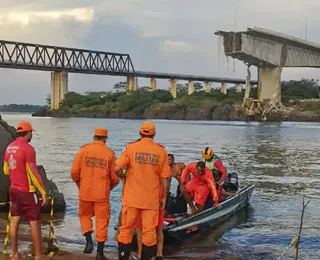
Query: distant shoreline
220, 112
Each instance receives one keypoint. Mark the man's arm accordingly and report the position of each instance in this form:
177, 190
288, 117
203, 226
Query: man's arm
165, 176
185, 174
114, 179
220, 167
32, 170
75, 172
5, 165
212, 185
122, 163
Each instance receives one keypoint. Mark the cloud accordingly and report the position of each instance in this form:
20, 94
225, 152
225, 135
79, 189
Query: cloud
160, 35
177, 46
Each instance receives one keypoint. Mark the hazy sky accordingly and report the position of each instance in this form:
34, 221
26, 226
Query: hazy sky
160, 35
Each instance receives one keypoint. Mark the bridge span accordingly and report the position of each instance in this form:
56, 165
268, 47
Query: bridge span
269, 51
61, 61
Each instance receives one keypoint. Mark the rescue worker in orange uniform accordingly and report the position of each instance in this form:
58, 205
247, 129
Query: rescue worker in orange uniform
20, 164
160, 238
94, 173
199, 186
147, 170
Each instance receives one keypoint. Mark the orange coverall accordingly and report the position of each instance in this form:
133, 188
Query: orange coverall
146, 163
93, 171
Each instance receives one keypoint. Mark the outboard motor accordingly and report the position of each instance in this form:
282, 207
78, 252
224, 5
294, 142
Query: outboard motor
231, 184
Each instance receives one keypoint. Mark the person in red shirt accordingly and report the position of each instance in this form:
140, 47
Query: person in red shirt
199, 186
215, 164
20, 164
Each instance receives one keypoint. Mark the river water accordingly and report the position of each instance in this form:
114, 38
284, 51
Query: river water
281, 159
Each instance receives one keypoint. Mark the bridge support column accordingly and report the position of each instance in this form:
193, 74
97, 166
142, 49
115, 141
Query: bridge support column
153, 84
223, 88
269, 88
238, 88
207, 87
132, 83
173, 88
190, 87
59, 87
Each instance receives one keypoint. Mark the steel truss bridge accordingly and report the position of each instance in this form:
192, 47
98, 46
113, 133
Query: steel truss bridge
29, 56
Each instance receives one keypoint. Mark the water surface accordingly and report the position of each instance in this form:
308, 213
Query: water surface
281, 159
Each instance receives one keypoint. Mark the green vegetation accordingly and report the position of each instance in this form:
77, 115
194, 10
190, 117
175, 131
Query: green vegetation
26, 108
120, 100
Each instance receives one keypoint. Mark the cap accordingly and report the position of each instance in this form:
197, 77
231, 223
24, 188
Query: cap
101, 132
147, 128
24, 127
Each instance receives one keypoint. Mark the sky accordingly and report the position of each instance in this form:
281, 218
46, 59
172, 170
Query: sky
160, 35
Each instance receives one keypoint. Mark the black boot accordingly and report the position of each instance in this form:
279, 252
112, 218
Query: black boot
89, 245
159, 258
100, 255
148, 252
124, 251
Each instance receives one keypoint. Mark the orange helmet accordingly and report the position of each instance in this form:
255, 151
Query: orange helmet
207, 153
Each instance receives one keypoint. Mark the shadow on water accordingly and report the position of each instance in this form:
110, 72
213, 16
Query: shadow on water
210, 242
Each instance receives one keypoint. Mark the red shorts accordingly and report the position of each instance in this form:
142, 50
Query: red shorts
25, 204
199, 191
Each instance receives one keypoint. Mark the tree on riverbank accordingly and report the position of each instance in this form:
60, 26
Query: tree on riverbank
120, 100
21, 108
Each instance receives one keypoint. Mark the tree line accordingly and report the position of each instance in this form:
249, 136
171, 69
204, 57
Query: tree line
119, 99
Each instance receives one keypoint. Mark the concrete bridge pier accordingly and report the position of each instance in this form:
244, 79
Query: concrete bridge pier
59, 87
223, 88
173, 88
132, 83
190, 87
153, 84
269, 85
238, 88
207, 87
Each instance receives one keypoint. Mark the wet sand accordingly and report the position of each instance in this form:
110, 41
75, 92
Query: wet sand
64, 256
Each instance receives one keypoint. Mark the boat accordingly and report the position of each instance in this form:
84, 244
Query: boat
59, 204
185, 228
179, 227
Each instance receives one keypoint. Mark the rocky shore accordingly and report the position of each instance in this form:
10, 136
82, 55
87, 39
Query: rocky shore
7, 135
171, 111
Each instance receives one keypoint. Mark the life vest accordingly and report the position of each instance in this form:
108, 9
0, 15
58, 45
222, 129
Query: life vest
210, 165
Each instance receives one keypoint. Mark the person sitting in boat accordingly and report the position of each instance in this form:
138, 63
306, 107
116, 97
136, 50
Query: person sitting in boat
176, 203
215, 164
199, 186
176, 170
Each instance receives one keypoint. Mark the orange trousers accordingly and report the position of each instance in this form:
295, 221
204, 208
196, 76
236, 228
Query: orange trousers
128, 223
99, 210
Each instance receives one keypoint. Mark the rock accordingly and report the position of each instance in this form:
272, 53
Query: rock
7, 135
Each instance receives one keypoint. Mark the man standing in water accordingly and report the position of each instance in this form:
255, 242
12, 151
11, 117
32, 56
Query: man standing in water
20, 164
147, 170
94, 173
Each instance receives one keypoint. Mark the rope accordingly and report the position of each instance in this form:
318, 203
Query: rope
52, 241
52, 237
7, 237
293, 241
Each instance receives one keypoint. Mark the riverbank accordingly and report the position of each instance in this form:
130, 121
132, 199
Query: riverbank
227, 111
